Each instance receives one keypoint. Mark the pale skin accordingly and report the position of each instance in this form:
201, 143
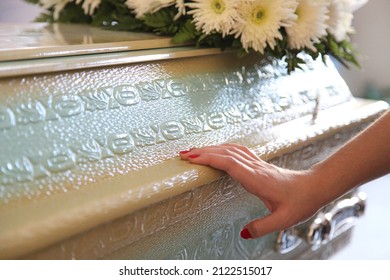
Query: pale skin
294, 196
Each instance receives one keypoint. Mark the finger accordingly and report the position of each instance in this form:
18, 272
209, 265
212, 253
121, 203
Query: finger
243, 170
237, 169
240, 153
234, 148
204, 150
242, 150
207, 149
265, 225
184, 154
253, 160
223, 162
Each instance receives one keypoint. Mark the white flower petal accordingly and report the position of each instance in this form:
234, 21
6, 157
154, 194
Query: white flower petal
340, 19
180, 5
89, 6
142, 7
310, 24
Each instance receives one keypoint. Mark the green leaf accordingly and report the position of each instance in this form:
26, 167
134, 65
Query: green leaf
73, 13
342, 51
32, 1
241, 52
159, 19
43, 17
215, 40
186, 33
162, 22
115, 15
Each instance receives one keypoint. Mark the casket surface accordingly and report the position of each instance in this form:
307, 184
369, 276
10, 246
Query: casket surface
91, 123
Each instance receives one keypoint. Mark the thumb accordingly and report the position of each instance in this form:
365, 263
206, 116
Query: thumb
262, 226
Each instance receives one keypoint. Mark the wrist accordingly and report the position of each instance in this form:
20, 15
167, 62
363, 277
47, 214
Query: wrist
331, 182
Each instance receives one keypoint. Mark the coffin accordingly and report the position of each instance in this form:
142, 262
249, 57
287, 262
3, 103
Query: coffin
91, 123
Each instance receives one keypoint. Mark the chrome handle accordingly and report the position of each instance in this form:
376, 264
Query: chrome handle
287, 240
343, 216
325, 227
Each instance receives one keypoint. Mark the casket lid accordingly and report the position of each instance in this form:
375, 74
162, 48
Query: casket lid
28, 49
41, 40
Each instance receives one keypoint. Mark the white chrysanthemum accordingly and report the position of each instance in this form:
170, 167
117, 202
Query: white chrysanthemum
340, 19
58, 6
142, 7
260, 22
89, 6
214, 15
310, 24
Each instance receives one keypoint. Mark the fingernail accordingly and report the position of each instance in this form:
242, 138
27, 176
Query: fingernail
184, 152
245, 234
193, 156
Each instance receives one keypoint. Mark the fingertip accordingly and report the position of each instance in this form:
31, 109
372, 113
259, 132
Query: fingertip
245, 234
267, 224
184, 154
193, 156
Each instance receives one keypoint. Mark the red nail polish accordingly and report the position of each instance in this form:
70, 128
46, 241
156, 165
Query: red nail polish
184, 152
245, 234
193, 156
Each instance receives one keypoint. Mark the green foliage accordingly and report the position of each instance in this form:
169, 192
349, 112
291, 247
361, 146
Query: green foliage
32, 1
115, 15
43, 17
342, 51
215, 40
187, 32
162, 22
74, 14
282, 51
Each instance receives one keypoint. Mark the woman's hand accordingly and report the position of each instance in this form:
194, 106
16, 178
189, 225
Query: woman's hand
294, 196
287, 194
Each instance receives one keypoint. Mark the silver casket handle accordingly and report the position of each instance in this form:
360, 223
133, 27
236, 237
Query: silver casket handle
326, 226
343, 216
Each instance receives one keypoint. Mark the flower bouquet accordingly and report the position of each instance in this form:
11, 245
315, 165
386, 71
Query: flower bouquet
278, 28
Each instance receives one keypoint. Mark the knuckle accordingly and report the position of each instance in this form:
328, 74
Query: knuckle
246, 150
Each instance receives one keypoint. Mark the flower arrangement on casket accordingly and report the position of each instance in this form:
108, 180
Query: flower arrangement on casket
279, 28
